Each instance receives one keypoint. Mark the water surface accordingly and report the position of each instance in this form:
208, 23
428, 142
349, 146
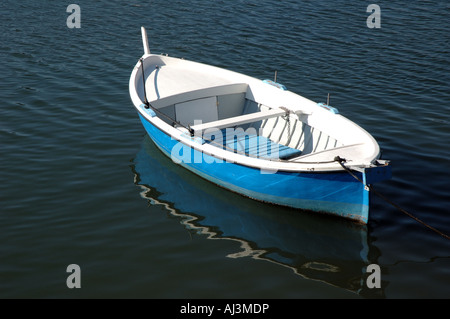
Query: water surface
81, 183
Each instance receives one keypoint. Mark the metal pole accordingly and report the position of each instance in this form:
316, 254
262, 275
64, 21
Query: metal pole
145, 41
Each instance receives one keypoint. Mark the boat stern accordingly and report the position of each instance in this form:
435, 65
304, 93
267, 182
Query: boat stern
379, 171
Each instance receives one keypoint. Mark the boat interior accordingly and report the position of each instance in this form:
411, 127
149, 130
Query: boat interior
230, 116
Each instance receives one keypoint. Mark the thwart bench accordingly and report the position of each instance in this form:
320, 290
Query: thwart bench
240, 141
239, 120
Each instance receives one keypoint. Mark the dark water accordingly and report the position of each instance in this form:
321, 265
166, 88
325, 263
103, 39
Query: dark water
81, 183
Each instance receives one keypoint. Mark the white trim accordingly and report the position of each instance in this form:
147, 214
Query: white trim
241, 119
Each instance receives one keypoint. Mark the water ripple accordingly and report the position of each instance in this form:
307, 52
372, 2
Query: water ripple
68, 134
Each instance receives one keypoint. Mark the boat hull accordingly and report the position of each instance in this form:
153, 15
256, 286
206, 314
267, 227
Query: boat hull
336, 193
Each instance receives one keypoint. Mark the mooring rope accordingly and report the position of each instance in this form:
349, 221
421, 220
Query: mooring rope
341, 161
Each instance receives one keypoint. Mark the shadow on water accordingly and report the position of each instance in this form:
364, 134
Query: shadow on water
314, 246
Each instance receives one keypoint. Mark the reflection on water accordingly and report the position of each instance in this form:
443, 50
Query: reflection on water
314, 246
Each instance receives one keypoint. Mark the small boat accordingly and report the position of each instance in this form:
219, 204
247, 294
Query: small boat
255, 137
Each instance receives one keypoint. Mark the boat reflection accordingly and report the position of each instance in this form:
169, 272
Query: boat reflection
315, 246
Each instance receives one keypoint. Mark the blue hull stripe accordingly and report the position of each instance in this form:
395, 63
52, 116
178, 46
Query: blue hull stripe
335, 193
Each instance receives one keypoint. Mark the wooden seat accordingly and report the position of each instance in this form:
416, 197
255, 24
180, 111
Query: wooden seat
239, 120
252, 145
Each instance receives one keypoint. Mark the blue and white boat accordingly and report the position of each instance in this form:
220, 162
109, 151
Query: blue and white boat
255, 137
